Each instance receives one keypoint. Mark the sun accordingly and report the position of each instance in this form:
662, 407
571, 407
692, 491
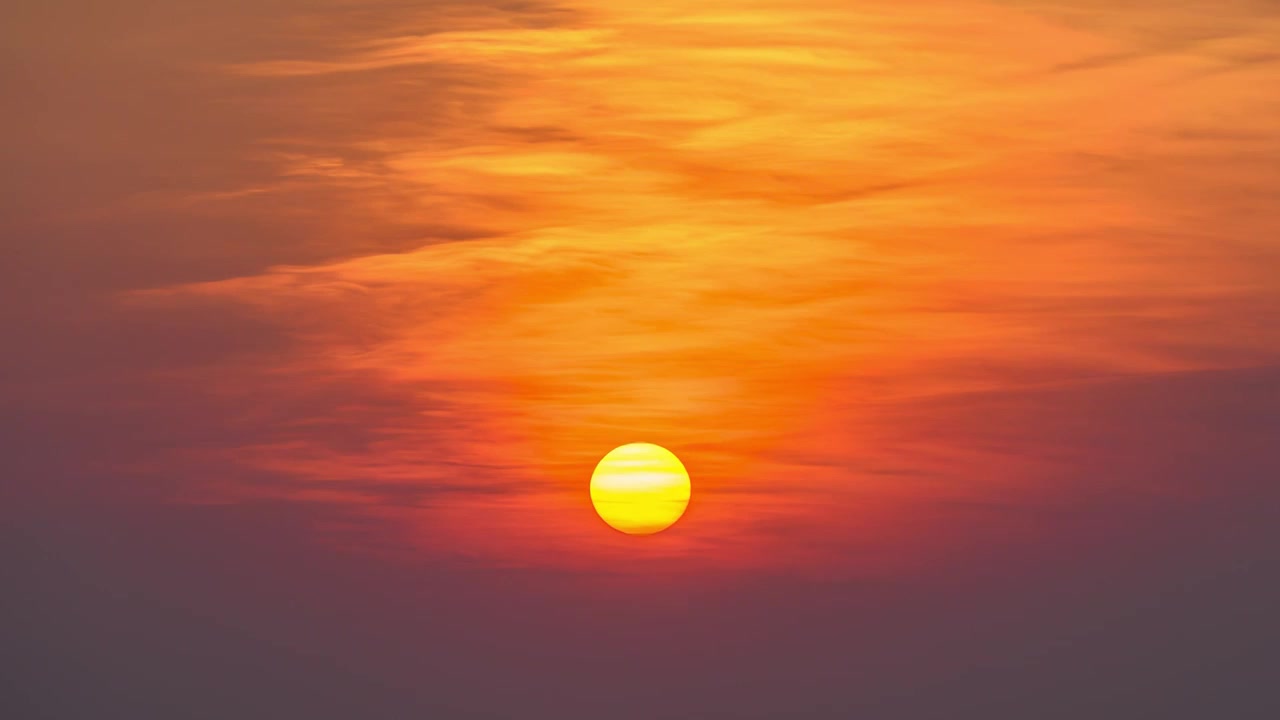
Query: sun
640, 488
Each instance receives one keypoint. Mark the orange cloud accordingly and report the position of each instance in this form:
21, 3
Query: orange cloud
692, 226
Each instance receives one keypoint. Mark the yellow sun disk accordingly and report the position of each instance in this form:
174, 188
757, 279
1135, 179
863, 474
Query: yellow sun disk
640, 488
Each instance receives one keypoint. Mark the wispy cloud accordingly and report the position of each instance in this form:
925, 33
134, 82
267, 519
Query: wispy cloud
547, 231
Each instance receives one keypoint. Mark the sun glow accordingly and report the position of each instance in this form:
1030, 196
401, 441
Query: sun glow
640, 489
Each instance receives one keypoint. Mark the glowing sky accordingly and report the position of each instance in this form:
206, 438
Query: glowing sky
916, 291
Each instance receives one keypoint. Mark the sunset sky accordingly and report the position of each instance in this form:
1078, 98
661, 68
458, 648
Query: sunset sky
317, 315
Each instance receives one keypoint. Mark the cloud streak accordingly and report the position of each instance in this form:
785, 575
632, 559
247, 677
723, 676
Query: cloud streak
482, 245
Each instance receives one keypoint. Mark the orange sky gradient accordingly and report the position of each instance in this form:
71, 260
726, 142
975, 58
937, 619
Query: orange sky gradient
758, 233
963, 316
753, 233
